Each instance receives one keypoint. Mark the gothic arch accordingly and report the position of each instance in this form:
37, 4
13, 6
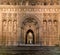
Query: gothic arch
31, 16
30, 23
31, 38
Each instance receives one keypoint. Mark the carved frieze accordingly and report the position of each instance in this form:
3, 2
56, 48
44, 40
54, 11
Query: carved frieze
30, 9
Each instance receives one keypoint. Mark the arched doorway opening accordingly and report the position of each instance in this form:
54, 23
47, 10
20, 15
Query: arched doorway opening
29, 31
29, 37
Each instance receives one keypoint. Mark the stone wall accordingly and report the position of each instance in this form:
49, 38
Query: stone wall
11, 18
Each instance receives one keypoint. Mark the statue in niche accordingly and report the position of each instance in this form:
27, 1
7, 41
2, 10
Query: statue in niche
14, 26
30, 38
55, 25
10, 26
50, 26
4, 26
45, 25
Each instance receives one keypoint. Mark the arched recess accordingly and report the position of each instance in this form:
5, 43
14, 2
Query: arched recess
29, 39
29, 25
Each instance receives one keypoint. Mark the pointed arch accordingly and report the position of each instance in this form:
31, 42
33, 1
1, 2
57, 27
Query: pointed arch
30, 40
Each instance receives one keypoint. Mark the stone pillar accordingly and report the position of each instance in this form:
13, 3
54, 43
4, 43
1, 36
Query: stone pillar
22, 36
37, 35
59, 28
0, 29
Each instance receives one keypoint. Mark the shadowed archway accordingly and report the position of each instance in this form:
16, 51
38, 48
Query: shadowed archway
29, 37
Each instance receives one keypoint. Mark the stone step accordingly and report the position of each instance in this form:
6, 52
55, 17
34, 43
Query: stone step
32, 50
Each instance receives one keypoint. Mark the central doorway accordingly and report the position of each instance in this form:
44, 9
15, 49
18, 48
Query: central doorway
29, 31
29, 37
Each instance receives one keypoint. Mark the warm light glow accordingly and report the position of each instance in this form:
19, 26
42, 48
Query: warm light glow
30, 34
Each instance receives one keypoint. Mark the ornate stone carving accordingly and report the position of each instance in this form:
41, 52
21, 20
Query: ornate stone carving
30, 20
33, 2
47, 27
